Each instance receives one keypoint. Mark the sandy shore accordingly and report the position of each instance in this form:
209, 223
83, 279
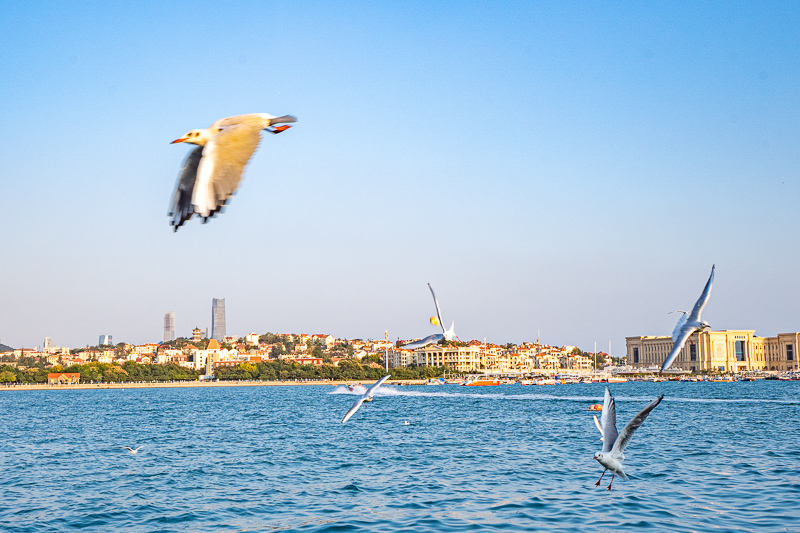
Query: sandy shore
192, 384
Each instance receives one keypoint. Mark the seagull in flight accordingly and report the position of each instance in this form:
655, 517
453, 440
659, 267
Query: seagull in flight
367, 397
689, 323
212, 171
446, 334
611, 456
133, 452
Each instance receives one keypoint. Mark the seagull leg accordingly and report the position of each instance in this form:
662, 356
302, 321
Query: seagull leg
612, 481
601, 478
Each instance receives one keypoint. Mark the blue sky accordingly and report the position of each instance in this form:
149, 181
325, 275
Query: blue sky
573, 168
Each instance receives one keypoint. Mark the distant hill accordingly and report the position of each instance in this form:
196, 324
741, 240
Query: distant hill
4, 348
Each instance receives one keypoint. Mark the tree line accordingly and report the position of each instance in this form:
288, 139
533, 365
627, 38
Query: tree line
347, 370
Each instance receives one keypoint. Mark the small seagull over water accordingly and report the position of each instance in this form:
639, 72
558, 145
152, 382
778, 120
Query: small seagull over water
690, 323
446, 334
212, 171
611, 456
133, 452
367, 397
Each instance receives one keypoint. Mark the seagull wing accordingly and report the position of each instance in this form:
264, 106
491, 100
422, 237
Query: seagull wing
608, 421
438, 313
139, 448
633, 425
599, 426
677, 343
678, 331
128, 448
224, 159
703, 300
355, 407
430, 339
182, 208
374, 387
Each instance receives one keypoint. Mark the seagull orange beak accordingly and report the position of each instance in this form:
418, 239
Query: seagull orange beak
281, 128
179, 140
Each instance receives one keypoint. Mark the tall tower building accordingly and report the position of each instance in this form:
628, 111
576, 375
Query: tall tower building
105, 340
169, 327
218, 319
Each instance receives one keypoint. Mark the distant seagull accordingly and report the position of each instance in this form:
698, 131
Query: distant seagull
367, 397
406, 423
613, 445
133, 452
690, 323
446, 334
212, 171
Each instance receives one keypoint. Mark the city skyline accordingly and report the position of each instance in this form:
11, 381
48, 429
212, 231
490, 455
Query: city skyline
569, 168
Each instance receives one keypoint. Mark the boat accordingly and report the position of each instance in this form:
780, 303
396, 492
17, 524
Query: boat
615, 379
482, 383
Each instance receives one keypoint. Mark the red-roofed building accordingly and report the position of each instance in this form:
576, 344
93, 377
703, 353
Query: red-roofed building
61, 378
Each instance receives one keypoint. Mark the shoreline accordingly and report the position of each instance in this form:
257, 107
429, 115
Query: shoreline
195, 384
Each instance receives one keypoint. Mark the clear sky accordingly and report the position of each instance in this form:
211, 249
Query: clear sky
569, 167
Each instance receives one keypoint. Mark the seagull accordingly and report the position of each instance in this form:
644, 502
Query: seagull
367, 397
611, 456
133, 452
212, 171
446, 334
689, 323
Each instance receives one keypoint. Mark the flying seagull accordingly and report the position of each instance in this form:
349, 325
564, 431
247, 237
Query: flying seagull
367, 397
688, 324
212, 171
613, 445
133, 452
446, 334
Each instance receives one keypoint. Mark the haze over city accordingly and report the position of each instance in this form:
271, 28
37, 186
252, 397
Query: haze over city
573, 169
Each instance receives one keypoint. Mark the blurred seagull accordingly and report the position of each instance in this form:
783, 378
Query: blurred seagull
446, 334
212, 171
367, 397
133, 452
611, 456
689, 323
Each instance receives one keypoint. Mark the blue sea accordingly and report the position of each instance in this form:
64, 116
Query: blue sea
711, 457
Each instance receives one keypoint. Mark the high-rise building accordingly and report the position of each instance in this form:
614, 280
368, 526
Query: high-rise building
48, 343
218, 319
105, 340
169, 327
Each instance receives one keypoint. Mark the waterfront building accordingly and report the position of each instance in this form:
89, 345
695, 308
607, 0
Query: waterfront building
169, 327
717, 351
60, 378
460, 358
401, 358
105, 340
218, 319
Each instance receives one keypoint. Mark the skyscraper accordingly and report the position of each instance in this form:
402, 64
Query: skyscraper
218, 319
169, 327
105, 340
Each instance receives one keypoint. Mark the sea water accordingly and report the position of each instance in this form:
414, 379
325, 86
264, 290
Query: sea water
711, 457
